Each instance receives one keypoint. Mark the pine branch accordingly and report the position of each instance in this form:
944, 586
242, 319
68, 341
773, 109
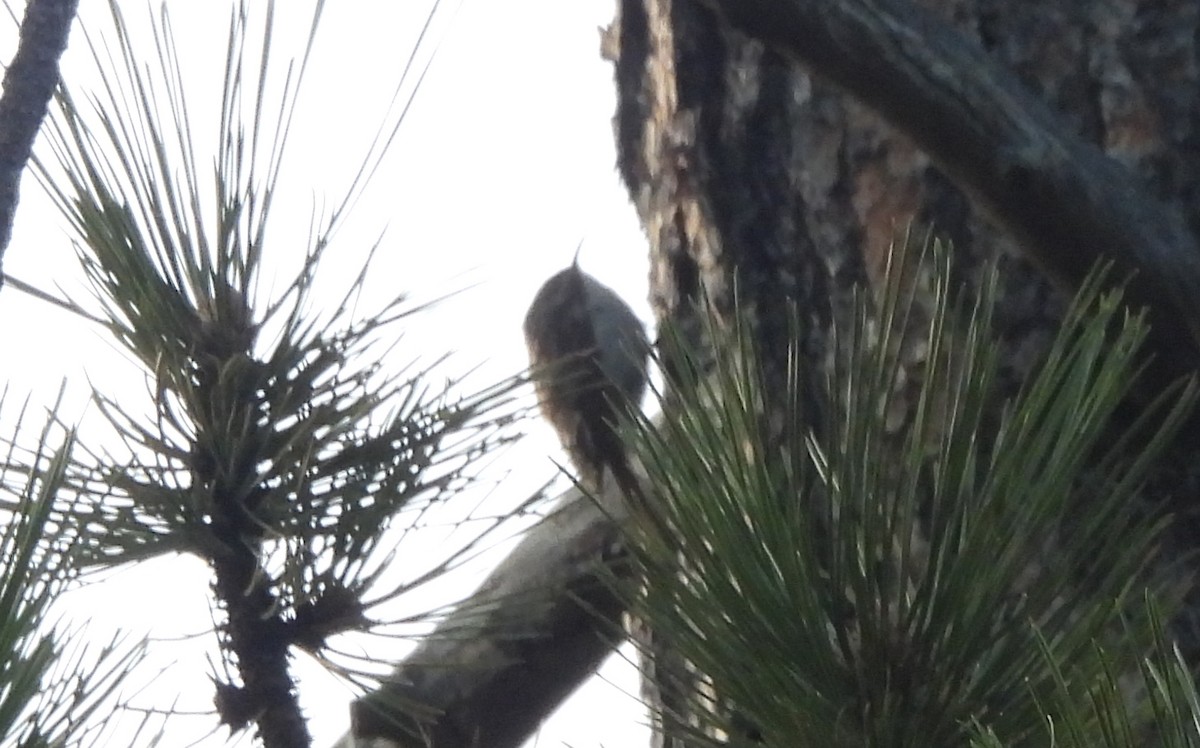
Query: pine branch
286, 462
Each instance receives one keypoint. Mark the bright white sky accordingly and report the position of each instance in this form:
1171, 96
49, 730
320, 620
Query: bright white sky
503, 165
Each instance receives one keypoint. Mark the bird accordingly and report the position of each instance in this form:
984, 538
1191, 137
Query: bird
588, 356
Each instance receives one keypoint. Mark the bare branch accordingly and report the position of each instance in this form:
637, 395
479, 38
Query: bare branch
540, 624
1066, 202
28, 85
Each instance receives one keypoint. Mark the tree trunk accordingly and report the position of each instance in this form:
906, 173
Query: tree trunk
775, 173
761, 185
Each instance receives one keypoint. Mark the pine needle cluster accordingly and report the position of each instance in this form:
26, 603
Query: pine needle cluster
276, 440
981, 577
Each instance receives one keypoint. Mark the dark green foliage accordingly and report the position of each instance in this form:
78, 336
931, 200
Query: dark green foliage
54, 681
845, 582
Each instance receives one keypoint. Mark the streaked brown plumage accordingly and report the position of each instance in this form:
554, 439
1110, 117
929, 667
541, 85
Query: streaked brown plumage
588, 352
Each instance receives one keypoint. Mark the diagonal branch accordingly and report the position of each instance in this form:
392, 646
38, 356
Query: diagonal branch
540, 624
28, 85
1060, 196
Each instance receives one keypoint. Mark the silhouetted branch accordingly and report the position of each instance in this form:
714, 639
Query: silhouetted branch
28, 85
541, 623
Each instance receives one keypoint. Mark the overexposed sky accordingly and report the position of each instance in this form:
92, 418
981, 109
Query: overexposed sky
503, 165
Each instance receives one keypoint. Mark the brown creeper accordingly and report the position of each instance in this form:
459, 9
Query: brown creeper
588, 352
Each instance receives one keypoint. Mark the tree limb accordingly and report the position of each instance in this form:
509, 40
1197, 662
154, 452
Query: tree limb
541, 623
28, 85
1060, 196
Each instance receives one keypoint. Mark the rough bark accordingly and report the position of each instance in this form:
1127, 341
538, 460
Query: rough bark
29, 83
1059, 195
750, 174
761, 186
